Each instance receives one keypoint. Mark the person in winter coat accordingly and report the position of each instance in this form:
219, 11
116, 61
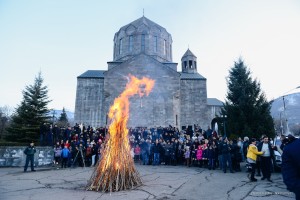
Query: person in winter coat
156, 149
211, 154
65, 154
252, 157
187, 155
57, 153
226, 156
199, 155
290, 167
137, 153
266, 158
29, 152
145, 151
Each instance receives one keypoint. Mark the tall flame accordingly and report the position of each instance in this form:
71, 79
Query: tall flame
116, 170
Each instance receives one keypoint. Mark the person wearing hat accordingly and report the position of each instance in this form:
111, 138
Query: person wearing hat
251, 158
29, 152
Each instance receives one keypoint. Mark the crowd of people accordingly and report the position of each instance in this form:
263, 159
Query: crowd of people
82, 146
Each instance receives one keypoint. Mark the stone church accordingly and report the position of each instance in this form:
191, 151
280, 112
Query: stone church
144, 48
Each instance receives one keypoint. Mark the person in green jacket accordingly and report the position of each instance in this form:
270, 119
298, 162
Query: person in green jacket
29, 152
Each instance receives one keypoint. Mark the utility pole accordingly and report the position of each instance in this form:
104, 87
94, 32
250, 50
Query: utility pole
286, 119
281, 126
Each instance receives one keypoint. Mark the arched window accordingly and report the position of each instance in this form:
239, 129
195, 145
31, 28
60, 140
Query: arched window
191, 64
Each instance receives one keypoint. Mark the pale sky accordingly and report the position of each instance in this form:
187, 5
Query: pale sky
64, 38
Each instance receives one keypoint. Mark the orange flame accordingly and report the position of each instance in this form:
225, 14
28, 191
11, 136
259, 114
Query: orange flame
119, 114
116, 170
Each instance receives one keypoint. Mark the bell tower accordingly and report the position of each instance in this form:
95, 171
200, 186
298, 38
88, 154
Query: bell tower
189, 63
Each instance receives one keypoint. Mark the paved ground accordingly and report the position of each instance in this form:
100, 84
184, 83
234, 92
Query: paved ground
160, 182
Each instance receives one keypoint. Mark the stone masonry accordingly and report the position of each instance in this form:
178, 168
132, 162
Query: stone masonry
144, 48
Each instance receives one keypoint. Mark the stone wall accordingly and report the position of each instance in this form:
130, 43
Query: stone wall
89, 98
15, 157
194, 103
162, 105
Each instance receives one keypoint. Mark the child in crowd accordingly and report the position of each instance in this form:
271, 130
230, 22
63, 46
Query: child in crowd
187, 155
137, 153
199, 155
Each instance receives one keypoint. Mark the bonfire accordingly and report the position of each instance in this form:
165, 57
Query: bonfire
116, 170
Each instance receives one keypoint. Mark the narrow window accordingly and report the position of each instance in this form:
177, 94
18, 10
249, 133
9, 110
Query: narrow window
121, 46
155, 43
130, 43
115, 50
143, 42
195, 64
190, 64
165, 47
185, 64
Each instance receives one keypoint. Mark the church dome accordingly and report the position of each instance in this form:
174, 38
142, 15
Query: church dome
143, 36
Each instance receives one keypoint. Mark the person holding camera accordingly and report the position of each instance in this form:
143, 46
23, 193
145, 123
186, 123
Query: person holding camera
80, 156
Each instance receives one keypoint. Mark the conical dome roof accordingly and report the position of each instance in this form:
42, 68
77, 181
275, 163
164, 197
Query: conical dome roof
143, 36
143, 21
188, 53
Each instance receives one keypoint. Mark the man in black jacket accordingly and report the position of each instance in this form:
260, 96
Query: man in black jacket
29, 152
156, 149
226, 157
266, 158
290, 167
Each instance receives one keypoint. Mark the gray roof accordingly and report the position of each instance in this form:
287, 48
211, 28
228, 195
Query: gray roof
214, 102
188, 53
195, 76
146, 21
92, 74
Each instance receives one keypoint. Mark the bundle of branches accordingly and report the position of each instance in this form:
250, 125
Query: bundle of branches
116, 170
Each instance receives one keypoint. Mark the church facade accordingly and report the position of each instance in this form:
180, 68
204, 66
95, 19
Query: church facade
144, 48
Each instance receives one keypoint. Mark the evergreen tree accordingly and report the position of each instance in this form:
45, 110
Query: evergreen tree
30, 114
63, 119
246, 107
4, 120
